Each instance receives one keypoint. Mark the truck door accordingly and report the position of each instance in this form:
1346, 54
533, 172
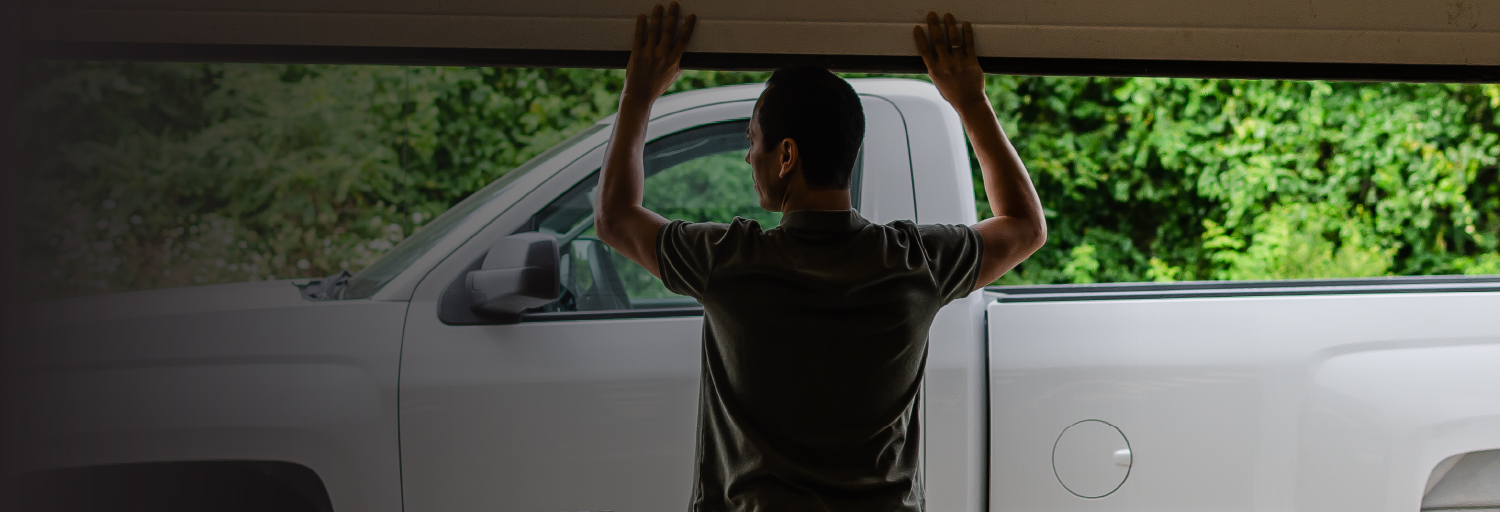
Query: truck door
590, 403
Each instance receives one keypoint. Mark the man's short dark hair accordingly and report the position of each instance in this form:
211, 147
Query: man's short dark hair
822, 113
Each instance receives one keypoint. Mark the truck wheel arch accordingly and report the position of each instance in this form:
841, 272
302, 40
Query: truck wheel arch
1464, 481
248, 485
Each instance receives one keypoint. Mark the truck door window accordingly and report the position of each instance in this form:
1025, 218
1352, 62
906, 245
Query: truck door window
697, 175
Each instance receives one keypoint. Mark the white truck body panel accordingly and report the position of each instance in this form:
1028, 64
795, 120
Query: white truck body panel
247, 371
1336, 402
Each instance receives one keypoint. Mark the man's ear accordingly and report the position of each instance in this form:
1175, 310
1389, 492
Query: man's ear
790, 160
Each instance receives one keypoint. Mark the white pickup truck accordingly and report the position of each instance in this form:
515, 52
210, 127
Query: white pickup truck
421, 384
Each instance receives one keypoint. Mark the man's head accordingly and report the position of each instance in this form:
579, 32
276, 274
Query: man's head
808, 126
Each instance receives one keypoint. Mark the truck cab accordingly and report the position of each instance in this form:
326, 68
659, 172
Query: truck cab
599, 393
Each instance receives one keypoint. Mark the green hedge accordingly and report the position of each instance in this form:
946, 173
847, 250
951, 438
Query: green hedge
149, 175
1174, 179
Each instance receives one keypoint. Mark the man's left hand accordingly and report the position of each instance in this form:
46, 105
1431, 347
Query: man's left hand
656, 52
619, 219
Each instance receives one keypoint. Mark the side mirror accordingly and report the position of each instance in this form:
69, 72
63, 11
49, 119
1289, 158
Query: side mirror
519, 272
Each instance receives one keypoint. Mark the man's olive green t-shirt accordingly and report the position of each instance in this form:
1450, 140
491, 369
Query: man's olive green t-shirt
815, 339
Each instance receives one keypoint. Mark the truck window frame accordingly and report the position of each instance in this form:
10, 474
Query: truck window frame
449, 312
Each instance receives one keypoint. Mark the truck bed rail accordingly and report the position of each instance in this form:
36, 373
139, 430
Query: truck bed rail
1202, 289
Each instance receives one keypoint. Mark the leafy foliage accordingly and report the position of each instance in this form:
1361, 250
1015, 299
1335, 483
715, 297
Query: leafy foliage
712, 188
1171, 179
149, 175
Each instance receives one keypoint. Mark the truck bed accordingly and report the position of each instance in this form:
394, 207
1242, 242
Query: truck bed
1322, 395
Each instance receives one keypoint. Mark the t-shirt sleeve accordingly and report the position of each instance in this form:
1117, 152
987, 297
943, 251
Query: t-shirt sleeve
685, 255
954, 253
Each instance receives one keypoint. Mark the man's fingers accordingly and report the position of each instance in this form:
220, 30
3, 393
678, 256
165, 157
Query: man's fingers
682, 44
940, 47
654, 27
969, 40
951, 34
639, 41
670, 29
924, 48
948, 38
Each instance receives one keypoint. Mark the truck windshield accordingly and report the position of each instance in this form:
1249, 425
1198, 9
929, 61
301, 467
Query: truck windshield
372, 278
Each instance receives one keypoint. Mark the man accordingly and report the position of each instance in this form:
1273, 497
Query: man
815, 331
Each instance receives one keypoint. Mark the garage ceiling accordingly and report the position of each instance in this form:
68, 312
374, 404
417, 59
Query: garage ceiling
1384, 32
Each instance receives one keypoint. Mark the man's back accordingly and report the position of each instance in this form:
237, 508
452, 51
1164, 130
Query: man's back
815, 332
814, 344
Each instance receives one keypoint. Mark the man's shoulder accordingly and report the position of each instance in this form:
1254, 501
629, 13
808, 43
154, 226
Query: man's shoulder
936, 239
711, 232
931, 230
944, 229
738, 224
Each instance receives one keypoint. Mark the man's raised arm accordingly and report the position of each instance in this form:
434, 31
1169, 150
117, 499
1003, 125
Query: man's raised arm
1018, 228
619, 219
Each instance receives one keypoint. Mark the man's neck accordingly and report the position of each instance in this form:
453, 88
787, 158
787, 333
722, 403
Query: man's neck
802, 198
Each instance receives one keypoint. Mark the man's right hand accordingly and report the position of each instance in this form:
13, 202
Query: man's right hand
1018, 228
953, 65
